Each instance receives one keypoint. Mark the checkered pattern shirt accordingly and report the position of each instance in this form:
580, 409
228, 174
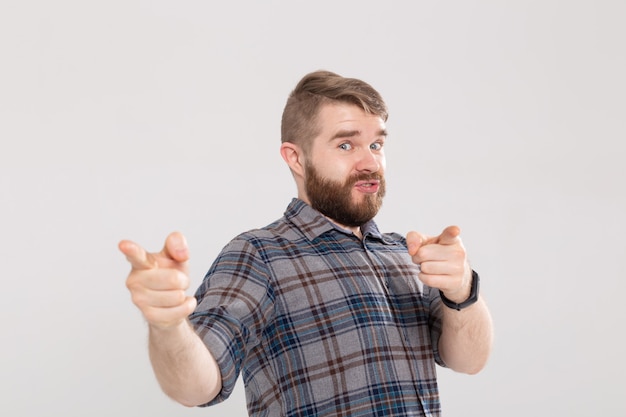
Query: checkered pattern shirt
321, 323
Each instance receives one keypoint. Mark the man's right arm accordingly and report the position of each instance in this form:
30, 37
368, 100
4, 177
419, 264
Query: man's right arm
184, 367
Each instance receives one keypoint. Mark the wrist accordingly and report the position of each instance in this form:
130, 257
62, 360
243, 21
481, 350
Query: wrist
469, 298
165, 330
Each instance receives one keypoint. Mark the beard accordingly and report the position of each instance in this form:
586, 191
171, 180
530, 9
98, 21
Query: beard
334, 199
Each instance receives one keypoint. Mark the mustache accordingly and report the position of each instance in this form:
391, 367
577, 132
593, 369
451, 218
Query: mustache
365, 177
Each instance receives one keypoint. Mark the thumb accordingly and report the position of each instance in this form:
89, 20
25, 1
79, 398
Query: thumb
176, 247
449, 236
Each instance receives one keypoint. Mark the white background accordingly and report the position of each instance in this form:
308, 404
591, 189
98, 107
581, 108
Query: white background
131, 119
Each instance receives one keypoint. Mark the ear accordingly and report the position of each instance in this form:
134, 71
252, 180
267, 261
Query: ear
294, 157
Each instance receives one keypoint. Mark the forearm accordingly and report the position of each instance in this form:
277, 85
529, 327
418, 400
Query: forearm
184, 367
466, 337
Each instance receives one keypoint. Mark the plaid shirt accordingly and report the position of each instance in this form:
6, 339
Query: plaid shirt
320, 322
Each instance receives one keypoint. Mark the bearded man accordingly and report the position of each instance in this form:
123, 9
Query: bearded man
319, 312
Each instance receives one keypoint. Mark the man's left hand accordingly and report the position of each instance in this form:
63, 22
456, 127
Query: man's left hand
443, 262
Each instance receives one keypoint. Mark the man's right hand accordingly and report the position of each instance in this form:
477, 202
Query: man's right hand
157, 284
158, 281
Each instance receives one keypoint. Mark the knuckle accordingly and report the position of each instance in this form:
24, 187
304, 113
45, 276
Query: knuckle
180, 297
172, 279
131, 282
141, 300
136, 299
459, 252
422, 253
151, 316
183, 280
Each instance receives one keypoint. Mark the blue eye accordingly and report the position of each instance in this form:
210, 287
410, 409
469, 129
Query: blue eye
345, 146
376, 146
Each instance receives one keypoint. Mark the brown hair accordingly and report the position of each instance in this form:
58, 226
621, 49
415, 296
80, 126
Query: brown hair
299, 122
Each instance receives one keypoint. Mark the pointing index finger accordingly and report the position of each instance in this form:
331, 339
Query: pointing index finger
414, 241
136, 255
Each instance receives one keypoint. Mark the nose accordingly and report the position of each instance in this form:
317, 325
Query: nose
369, 161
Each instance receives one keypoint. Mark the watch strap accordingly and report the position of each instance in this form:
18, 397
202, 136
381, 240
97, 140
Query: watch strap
473, 297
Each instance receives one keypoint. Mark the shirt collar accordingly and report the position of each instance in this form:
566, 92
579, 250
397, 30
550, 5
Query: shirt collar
313, 224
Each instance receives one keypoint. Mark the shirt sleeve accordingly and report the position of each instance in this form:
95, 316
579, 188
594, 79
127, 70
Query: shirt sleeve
235, 302
435, 321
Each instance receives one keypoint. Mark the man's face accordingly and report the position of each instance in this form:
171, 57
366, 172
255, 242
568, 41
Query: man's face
344, 171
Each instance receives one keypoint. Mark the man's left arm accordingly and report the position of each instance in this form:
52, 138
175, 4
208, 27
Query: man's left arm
467, 330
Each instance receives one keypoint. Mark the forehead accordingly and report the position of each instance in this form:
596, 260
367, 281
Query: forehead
333, 117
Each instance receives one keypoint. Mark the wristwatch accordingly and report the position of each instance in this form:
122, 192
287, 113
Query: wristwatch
473, 297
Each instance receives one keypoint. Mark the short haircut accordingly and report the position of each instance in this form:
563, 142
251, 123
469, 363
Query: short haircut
299, 122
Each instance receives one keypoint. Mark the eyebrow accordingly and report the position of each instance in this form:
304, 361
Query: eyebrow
352, 133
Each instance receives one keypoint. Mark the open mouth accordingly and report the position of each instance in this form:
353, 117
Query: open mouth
367, 186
